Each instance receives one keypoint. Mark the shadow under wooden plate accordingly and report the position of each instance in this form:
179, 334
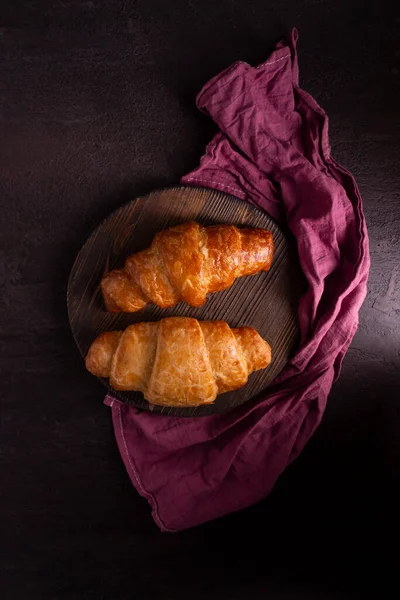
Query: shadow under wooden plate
267, 301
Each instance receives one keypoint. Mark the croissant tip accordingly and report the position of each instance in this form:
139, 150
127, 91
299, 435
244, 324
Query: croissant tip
110, 306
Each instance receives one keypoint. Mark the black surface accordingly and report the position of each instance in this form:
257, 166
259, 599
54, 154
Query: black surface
97, 102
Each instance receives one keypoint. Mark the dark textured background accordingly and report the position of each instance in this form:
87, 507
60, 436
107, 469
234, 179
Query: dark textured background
97, 105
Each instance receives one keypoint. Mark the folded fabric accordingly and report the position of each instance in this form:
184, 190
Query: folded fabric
272, 150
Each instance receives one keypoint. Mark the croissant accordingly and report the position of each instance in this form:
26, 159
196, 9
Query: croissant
178, 361
185, 263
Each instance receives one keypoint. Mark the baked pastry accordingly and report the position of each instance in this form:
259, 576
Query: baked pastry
185, 263
178, 361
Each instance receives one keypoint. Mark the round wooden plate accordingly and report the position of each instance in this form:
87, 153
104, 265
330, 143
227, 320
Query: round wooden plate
266, 301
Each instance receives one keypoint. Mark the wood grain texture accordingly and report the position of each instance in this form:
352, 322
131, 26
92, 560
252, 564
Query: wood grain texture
267, 301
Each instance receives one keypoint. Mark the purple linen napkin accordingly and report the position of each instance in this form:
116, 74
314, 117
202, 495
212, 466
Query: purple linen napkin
272, 150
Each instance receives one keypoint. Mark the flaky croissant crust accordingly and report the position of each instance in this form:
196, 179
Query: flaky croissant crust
178, 361
185, 263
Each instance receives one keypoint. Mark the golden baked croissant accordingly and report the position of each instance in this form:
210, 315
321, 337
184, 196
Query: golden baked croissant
178, 361
185, 263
